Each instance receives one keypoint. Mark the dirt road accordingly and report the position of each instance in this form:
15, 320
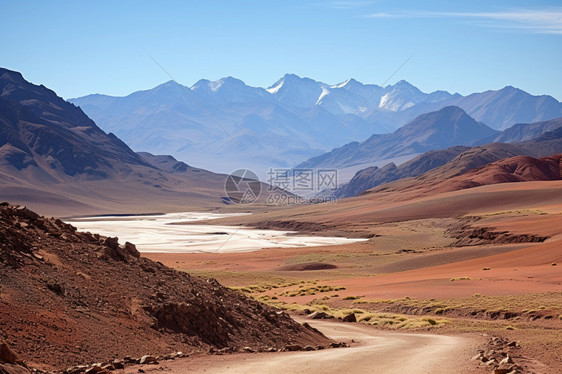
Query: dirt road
375, 351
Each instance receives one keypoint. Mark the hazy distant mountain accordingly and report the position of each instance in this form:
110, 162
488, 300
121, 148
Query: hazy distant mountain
455, 160
526, 131
374, 176
288, 122
498, 109
501, 109
248, 127
436, 130
548, 143
53, 157
165, 162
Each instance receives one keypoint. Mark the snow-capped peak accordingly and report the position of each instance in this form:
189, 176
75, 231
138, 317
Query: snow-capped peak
325, 91
342, 84
286, 79
273, 89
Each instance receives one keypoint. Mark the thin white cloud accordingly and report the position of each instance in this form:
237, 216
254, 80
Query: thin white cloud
349, 4
543, 21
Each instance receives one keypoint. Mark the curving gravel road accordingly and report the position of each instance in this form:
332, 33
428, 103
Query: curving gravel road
375, 351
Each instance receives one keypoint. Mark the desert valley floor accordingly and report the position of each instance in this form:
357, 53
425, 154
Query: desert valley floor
437, 278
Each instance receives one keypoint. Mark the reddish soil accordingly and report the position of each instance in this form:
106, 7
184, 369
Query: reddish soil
513, 169
69, 298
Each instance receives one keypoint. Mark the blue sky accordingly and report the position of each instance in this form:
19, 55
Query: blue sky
83, 47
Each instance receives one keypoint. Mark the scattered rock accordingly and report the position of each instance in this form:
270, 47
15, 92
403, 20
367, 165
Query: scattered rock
338, 345
56, 288
500, 371
320, 315
118, 364
96, 368
147, 359
350, 318
499, 359
506, 360
293, 348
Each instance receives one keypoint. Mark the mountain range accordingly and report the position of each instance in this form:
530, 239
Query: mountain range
236, 125
436, 166
51, 152
436, 130
55, 158
447, 127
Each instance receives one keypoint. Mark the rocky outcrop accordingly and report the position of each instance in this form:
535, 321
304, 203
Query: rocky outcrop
497, 356
7, 355
74, 297
10, 362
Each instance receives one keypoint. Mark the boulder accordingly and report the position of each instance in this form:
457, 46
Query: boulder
96, 368
13, 369
338, 345
501, 370
506, 360
147, 359
132, 249
293, 348
112, 242
350, 318
7, 355
118, 364
76, 369
320, 315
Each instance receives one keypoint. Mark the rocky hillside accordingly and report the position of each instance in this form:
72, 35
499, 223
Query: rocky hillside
374, 176
38, 128
55, 159
460, 174
68, 297
527, 131
514, 169
452, 161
